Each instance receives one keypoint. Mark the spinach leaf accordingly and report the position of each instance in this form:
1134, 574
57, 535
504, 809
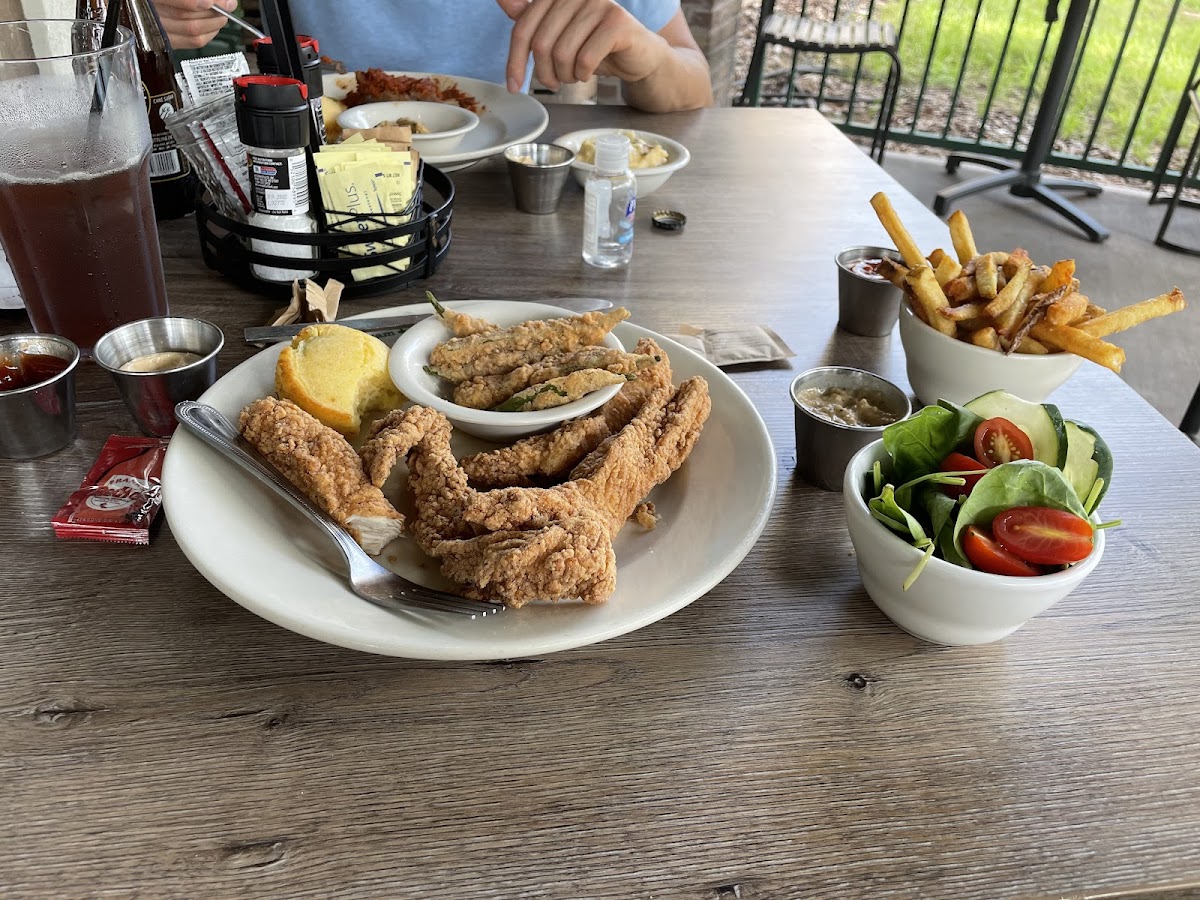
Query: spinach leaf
886, 510
919, 443
1023, 482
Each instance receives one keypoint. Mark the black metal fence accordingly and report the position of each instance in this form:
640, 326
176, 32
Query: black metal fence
974, 72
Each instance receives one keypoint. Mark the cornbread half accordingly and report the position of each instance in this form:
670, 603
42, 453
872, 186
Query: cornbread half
336, 374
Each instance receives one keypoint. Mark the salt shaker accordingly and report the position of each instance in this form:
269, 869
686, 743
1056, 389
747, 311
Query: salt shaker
610, 196
273, 117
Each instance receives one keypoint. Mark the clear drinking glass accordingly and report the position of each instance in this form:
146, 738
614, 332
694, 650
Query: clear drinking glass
76, 212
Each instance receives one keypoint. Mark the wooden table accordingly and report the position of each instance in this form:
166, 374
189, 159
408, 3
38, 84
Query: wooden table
778, 737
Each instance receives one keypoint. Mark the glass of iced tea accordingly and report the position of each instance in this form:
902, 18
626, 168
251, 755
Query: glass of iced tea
76, 213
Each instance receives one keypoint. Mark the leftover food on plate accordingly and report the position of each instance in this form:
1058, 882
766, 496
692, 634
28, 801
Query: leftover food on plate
1001, 485
844, 406
642, 154
1004, 301
373, 85
412, 124
516, 524
336, 374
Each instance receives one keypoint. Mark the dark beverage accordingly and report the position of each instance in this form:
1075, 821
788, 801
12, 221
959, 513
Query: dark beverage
84, 249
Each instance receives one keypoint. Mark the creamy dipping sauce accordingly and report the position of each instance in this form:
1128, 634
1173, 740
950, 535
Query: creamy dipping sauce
846, 407
866, 268
161, 362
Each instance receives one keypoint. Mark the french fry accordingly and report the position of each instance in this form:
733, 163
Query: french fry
897, 232
1034, 315
928, 295
960, 234
1135, 314
1060, 274
946, 270
1032, 346
892, 271
936, 257
962, 313
1068, 310
985, 277
1012, 290
961, 289
1093, 312
1007, 321
986, 337
1015, 260
1073, 340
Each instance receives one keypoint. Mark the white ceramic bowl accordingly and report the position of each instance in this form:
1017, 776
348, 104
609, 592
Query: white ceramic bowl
648, 180
942, 367
447, 124
947, 604
410, 356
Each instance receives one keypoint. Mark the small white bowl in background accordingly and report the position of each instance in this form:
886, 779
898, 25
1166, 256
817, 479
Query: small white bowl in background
447, 124
410, 356
648, 180
947, 604
945, 368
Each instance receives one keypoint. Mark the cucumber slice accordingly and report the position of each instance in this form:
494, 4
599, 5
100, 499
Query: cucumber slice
1081, 468
1100, 458
1042, 422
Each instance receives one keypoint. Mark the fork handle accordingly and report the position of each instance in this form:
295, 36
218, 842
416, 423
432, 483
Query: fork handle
208, 424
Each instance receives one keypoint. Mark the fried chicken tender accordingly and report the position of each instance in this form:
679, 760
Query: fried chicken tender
504, 349
515, 545
550, 457
322, 464
487, 391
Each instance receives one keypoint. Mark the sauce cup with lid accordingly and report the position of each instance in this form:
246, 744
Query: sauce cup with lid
840, 410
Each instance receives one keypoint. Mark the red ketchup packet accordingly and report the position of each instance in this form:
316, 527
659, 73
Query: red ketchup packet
120, 496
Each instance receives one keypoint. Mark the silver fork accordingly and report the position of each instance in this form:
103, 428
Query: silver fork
368, 579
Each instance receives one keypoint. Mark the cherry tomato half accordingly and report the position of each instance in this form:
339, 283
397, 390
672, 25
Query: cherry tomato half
1052, 537
960, 462
999, 441
988, 556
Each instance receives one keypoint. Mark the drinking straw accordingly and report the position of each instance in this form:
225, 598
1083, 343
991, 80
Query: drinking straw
107, 38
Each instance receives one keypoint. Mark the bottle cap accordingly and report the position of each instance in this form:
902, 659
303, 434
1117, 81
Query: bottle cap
612, 154
271, 111
310, 59
668, 220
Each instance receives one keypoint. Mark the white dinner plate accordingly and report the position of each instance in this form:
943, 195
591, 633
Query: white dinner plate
259, 551
508, 118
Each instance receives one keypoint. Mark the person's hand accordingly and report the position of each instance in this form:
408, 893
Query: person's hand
572, 40
190, 24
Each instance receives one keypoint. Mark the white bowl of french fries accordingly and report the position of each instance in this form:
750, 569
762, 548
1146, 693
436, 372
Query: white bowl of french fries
975, 322
504, 380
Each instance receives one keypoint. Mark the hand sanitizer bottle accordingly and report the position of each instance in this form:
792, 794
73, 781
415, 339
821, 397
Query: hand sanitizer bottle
609, 199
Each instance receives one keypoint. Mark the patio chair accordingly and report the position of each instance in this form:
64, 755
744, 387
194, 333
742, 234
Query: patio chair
802, 34
1189, 172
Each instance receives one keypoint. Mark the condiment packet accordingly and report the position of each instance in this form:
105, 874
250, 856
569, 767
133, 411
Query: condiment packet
310, 303
209, 77
397, 137
734, 345
119, 497
365, 186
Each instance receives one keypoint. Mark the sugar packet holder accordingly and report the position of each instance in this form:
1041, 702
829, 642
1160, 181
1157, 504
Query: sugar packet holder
734, 345
120, 496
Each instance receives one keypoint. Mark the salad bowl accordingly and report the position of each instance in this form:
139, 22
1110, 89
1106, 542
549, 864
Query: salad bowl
947, 604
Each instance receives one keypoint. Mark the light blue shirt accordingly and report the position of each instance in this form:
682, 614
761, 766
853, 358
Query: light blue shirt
468, 38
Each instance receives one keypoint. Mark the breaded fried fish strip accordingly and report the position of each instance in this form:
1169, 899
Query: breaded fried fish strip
504, 349
486, 391
560, 391
321, 463
552, 456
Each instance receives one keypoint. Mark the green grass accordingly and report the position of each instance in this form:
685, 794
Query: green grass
1102, 53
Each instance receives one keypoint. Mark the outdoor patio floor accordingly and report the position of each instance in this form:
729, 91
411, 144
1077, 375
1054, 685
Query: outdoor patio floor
1163, 363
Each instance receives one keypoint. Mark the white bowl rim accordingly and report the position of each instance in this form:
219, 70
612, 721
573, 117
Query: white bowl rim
1032, 360
470, 119
417, 393
680, 153
1075, 572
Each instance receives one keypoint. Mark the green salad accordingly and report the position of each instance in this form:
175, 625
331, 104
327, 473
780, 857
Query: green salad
1001, 485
